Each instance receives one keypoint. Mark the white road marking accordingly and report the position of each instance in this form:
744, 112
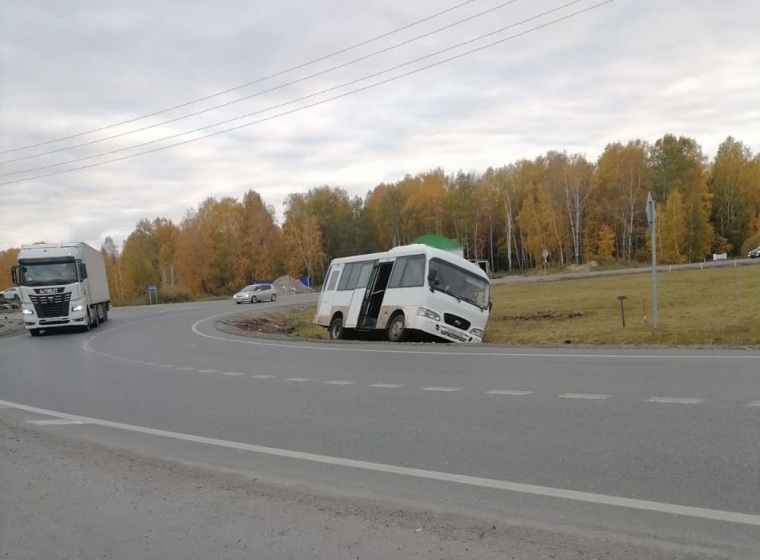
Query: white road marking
151, 363
674, 400
136, 361
263, 376
387, 386
58, 422
508, 392
299, 379
166, 365
232, 373
444, 389
755, 403
208, 370
185, 368
545, 491
564, 356
588, 396
339, 382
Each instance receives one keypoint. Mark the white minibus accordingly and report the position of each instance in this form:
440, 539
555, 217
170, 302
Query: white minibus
412, 288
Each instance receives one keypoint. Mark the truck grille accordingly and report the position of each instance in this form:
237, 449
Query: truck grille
56, 305
456, 321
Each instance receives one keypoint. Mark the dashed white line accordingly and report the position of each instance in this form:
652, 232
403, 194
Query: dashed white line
387, 386
185, 368
589, 396
151, 363
166, 365
508, 392
299, 379
755, 403
443, 389
263, 376
339, 382
232, 373
208, 370
675, 400
58, 422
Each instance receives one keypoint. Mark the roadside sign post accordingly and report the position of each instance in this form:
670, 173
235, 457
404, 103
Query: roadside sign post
652, 219
152, 290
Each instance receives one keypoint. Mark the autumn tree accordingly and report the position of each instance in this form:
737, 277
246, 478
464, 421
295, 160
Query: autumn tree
731, 184
302, 239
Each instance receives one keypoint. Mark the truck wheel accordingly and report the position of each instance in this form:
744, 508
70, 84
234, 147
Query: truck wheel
97, 316
105, 312
396, 328
34, 332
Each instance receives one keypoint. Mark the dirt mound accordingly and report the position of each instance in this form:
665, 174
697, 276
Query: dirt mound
289, 285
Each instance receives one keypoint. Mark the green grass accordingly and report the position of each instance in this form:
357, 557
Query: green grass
696, 307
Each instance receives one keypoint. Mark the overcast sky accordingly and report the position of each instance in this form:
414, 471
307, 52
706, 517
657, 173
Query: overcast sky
628, 69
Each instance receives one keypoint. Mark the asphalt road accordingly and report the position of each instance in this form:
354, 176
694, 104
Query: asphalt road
632, 453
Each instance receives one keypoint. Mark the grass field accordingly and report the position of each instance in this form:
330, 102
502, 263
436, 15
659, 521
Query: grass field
696, 307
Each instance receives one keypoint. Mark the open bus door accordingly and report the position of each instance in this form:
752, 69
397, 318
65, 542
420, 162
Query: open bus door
373, 295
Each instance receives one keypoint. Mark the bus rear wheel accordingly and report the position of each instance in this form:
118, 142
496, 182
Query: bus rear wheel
397, 328
337, 332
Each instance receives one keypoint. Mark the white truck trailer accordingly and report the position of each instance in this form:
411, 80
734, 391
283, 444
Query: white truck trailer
61, 285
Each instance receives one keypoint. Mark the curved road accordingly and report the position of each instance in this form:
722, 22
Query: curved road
652, 447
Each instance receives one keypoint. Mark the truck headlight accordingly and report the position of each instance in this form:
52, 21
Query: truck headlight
79, 307
27, 312
424, 312
477, 332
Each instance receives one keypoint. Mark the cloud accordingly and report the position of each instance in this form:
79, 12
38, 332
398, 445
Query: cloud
627, 70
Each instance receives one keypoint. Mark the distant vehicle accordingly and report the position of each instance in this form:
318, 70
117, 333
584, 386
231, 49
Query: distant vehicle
61, 285
10, 293
256, 293
409, 288
754, 253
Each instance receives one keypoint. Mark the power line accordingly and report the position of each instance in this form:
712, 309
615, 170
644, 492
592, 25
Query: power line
259, 93
316, 103
291, 102
256, 81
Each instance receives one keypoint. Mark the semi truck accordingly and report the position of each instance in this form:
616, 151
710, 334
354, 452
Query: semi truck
61, 285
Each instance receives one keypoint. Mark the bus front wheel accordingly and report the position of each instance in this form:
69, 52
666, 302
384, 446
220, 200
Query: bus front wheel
397, 328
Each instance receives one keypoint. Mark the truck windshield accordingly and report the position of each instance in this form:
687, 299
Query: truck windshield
461, 284
45, 273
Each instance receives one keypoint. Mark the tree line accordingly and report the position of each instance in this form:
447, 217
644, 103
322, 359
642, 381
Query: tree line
574, 209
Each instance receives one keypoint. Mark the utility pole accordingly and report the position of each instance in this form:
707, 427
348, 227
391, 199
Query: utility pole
652, 219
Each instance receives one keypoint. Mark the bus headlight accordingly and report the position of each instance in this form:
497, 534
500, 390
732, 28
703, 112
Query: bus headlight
424, 312
79, 307
477, 332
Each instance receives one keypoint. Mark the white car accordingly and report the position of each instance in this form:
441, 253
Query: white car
10, 293
256, 293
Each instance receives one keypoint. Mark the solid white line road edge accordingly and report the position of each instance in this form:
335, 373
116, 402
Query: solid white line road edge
399, 349
602, 499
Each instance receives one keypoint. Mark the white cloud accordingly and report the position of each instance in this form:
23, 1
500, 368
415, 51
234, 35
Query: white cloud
627, 70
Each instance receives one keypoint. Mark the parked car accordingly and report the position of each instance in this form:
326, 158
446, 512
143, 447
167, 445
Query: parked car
754, 253
10, 293
256, 293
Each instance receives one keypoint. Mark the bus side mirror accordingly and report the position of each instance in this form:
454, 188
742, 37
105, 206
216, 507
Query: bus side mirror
14, 274
490, 305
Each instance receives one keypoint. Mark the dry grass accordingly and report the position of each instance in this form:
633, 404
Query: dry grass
718, 306
696, 307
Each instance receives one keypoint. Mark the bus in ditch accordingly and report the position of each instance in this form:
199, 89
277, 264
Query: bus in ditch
409, 289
